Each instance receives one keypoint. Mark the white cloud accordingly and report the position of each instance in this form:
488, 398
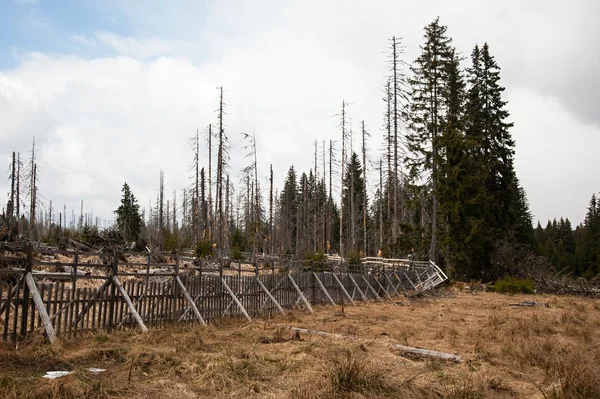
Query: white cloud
556, 156
82, 39
286, 67
145, 46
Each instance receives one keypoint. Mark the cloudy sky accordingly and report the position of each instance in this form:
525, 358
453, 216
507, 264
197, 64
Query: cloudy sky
112, 89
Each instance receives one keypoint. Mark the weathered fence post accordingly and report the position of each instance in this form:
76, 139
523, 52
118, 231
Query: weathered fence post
175, 288
113, 272
25, 302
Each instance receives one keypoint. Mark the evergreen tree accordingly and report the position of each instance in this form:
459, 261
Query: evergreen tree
289, 212
428, 92
353, 200
589, 249
129, 219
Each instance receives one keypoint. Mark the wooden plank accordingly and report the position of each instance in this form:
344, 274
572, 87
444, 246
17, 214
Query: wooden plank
39, 304
76, 309
10, 292
55, 304
49, 301
58, 323
32, 311
92, 294
83, 303
113, 291
300, 294
132, 308
16, 312
69, 312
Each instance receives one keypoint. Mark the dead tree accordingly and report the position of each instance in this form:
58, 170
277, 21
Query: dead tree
174, 214
380, 203
249, 170
330, 197
203, 205
33, 192
365, 134
210, 211
271, 209
222, 163
161, 209
343, 161
195, 144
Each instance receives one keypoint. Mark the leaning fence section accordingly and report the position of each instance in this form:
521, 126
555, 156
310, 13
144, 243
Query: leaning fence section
64, 293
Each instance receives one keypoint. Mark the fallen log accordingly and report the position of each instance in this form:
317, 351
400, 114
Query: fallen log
79, 245
418, 352
409, 350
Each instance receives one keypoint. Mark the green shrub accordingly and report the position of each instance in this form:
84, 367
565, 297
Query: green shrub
512, 285
236, 253
203, 249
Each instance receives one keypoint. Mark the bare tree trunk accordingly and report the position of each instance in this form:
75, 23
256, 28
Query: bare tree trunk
395, 95
389, 152
227, 209
195, 205
271, 249
18, 192
315, 204
210, 212
161, 209
342, 178
204, 209
13, 179
330, 198
184, 205
174, 221
381, 203
220, 167
364, 156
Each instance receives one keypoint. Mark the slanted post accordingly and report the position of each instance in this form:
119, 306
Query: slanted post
300, 294
322, 287
235, 299
130, 305
270, 296
343, 288
191, 301
39, 304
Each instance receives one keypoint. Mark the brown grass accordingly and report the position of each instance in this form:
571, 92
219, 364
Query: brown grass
539, 352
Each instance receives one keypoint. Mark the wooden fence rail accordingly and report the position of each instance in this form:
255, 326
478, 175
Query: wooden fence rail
34, 299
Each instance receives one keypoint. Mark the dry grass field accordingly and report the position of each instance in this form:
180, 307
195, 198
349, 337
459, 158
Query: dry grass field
547, 351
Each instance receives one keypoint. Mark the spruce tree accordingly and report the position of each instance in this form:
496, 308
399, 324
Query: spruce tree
129, 219
428, 89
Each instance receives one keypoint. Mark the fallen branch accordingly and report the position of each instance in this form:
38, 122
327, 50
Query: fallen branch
417, 352
528, 303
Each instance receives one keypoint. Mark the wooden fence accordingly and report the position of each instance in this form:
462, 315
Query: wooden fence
108, 293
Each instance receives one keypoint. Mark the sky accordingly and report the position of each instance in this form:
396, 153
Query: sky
113, 89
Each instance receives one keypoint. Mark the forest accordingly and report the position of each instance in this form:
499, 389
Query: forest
445, 188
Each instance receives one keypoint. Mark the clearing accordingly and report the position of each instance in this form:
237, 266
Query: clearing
546, 351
